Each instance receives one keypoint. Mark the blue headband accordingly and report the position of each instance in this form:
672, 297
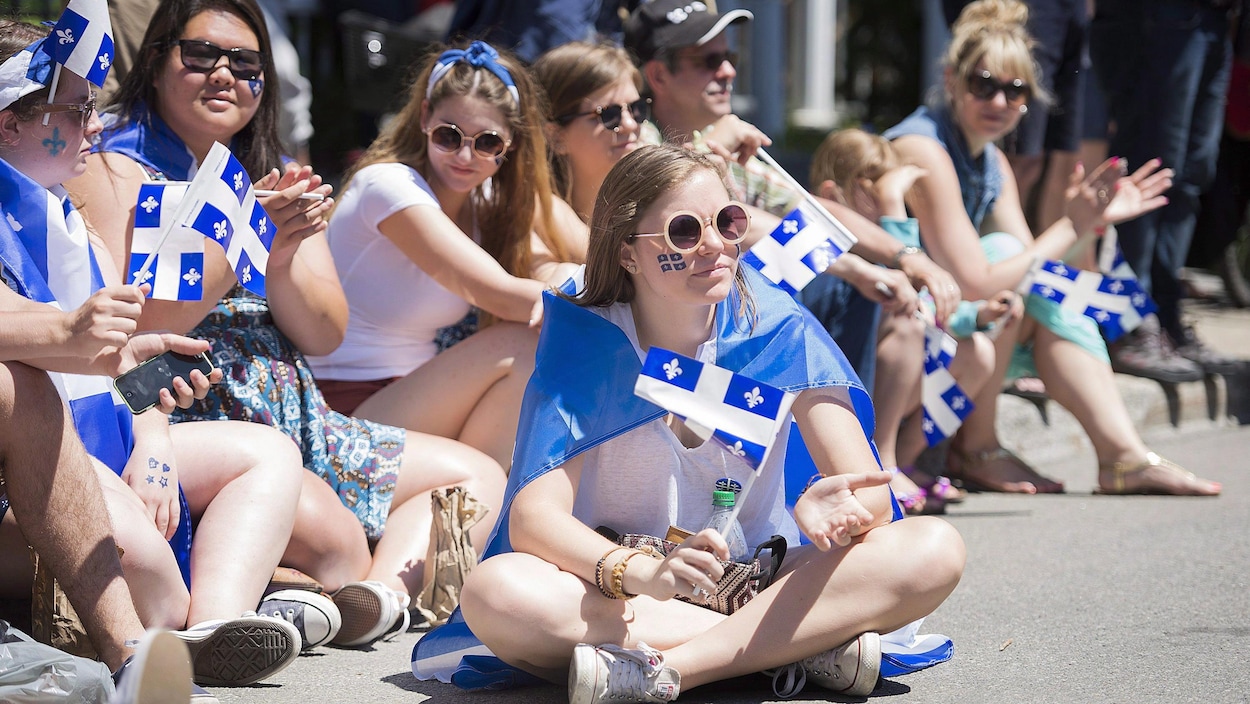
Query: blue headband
478, 55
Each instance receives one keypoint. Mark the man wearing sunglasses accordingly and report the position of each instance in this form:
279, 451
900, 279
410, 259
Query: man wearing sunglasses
684, 54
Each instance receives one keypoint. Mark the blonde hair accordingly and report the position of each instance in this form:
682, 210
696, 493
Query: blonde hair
522, 185
846, 156
992, 32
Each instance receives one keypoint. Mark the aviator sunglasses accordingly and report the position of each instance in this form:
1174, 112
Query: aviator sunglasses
684, 230
84, 110
201, 56
983, 86
486, 144
610, 115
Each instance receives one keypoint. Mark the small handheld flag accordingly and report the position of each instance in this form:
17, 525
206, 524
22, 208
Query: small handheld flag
1103, 298
178, 269
802, 246
944, 404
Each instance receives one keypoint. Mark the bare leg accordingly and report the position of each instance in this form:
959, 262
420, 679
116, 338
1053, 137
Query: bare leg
242, 494
896, 392
472, 392
532, 615
327, 542
55, 497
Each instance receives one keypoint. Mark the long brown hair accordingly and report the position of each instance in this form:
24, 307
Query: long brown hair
633, 185
257, 146
522, 185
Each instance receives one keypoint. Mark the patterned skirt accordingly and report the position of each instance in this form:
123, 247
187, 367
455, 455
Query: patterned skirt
268, 381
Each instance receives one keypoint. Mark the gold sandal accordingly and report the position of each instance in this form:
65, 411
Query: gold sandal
1188, 484
970, 462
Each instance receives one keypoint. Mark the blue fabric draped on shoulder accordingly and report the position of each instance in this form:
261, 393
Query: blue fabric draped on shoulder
144, 137
581, 394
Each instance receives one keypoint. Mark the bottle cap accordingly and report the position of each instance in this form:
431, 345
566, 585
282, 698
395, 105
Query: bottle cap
722, 498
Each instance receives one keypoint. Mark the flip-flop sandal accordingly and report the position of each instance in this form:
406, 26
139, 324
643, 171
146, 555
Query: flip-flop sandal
1122, 470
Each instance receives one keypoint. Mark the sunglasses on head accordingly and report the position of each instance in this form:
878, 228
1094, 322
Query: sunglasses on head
85, 110
684, 230
610, 115
712, 62
486, 144
983, 86
201, 56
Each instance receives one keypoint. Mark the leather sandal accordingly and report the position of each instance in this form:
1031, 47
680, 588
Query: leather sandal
1153, 475
967, 467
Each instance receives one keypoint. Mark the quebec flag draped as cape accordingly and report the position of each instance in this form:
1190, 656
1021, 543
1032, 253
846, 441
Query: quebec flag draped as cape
581, 395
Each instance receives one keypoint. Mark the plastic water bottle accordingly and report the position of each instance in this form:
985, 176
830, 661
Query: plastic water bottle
722, 509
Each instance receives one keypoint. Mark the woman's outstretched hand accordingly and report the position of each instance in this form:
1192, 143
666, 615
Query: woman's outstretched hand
296, 218
1139, 193
828, 513
1110, 195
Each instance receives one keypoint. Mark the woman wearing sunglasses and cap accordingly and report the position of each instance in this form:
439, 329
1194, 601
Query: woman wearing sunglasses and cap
560, 601
203, 78
987, 246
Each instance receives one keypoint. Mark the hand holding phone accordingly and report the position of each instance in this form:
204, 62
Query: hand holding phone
140, 387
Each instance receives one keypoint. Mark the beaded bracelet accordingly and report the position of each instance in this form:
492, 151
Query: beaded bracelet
599, 574
618, 576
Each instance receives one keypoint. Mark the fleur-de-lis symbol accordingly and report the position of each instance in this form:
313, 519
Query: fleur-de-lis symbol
1115, 287
1060, 269
65, 36
262, 227
789, 226
54, 143
150, 204
247, 274
238, 181
147, 276
219, 230
1101, 316
1139, 300
753, 397
928, 426
13, 223
736, 449
105, 62
1047, 291
672, 369
958, 403
192, 277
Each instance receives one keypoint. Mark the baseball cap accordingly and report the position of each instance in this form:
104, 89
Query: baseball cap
672, 24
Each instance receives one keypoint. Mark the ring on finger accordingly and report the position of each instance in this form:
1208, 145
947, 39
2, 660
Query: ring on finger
1102, 195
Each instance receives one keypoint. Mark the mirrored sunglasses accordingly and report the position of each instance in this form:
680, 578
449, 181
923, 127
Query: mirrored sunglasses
983, 86
245, 64
684, 230
610, 115
85, 110
486, 144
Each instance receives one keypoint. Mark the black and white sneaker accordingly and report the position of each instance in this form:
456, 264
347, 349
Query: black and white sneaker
240, 651
315, 616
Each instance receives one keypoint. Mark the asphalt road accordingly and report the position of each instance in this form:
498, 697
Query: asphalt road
1072, 598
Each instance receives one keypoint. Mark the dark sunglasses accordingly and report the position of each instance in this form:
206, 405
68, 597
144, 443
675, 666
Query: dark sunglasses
712, 62
85, 110
245, 64
684, 230
610, 115
983, 86
486, 144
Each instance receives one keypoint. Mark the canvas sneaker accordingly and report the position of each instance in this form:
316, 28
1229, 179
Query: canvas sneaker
315, 616
159, 672
370, 610
608, 673
240, 651
851, 669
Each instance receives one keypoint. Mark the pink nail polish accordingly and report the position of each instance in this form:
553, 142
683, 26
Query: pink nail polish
1115, 160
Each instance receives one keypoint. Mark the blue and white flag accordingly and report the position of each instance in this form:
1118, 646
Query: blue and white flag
799, 249
82, 40
1089, 293
24, 73
223, 208
944, 404
1112, 263
177, 273
739, 412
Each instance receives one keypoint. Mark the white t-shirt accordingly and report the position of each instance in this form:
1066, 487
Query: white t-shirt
395, 307
666, 483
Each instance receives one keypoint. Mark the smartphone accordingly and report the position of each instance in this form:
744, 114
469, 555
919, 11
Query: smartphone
140, 387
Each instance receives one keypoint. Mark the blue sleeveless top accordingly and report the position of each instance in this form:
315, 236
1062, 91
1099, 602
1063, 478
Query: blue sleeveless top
980, 181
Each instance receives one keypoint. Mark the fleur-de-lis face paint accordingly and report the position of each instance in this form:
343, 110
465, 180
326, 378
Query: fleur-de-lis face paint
671, 262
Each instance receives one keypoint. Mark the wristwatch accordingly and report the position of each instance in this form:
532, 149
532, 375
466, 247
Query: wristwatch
898, 256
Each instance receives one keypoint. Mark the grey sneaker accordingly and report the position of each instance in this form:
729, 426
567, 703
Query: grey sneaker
240, 651
608, 673
1147, 353
158, 672
315, 617
851, 669
370, 610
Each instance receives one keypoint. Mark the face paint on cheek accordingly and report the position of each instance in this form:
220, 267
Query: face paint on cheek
54, 144
257, 85
671, 262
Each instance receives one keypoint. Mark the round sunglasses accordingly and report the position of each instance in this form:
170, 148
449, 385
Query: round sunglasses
201, 56
983, 86
684, 230
486, 144
84, 110
610, 115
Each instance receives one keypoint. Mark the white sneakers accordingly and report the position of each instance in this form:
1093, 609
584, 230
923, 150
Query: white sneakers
158, 673
611, 673
851, 669
315, 616
370, 610
240, 651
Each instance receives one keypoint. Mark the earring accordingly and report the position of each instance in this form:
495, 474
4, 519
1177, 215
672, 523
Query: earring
631, 268
1024, 109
